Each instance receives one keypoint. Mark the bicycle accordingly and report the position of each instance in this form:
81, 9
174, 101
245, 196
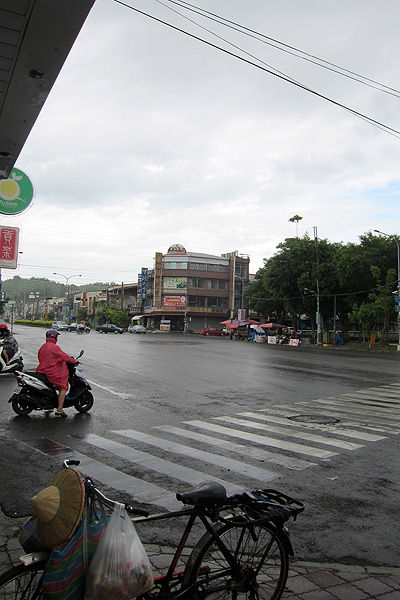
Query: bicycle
243, 553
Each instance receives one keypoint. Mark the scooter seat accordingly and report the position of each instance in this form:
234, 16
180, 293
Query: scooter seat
42, 377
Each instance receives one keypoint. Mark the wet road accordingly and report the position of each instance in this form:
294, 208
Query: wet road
171, 410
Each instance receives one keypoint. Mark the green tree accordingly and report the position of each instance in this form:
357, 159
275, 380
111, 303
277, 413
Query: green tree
110, 314
295, 266
360, 283
82, 314
376, 314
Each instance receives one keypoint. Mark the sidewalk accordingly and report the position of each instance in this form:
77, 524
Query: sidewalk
306, 581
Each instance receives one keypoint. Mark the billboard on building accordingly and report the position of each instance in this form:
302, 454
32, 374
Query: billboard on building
174, 301
175, 283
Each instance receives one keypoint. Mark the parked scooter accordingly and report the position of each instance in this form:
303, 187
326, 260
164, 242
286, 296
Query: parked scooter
35, 392
16, 362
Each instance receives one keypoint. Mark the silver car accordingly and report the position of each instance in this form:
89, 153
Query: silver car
60, 326
137, 329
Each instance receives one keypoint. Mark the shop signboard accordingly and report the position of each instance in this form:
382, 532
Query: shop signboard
16, 193
143, 283
174, 301
8, 247
165, 325
175, 283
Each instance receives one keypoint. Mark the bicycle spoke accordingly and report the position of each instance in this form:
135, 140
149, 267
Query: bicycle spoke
22, 583
262, 566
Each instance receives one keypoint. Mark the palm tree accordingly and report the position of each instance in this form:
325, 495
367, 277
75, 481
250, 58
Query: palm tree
296, 220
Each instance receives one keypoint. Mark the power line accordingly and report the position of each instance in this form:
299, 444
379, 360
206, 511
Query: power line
283, 47
366, 118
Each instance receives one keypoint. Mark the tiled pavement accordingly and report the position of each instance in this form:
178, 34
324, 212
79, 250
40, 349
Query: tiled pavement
307, 581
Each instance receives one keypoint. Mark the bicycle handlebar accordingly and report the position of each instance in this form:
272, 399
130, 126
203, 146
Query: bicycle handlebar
91, 488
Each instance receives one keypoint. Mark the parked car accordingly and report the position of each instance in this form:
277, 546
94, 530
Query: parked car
60, 326
109, 328
213, 331
137, 329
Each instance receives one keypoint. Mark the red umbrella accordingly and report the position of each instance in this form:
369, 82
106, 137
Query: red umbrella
234, 324
272, 326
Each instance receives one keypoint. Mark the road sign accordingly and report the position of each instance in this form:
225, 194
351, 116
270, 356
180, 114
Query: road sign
397, 308
397, 298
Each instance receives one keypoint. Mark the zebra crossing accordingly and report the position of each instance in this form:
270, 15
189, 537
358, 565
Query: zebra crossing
246, 450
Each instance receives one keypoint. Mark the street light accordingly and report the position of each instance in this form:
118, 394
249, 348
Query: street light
398, 276
67, 284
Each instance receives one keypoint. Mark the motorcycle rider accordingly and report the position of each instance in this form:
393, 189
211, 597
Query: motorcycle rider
53, 363
10, 344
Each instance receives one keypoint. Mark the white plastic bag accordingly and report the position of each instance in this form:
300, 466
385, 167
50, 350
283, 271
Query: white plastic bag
120, 569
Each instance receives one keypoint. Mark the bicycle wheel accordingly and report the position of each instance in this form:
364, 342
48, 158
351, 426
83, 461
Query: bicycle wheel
262, 553
22, 582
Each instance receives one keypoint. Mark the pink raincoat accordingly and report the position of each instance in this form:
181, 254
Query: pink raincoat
53, 363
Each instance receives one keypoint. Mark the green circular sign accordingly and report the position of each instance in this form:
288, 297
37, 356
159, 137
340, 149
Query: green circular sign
16, 193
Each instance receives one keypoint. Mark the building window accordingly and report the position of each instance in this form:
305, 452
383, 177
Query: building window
196, 301
218, 268
198, 266
175, 265
197, 282
242, 271
221, 303
217, 284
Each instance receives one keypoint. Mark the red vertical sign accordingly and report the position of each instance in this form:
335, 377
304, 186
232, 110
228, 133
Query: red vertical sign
9, 247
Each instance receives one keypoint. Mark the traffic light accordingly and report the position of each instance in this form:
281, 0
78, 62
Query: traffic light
306, 292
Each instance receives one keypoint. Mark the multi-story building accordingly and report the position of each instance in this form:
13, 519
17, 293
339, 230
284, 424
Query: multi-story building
190, 290
184, 291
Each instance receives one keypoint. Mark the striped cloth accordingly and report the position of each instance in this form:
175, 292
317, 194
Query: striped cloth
64, 575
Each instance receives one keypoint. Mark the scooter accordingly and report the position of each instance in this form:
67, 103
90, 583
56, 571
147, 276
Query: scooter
16, 362
35, 392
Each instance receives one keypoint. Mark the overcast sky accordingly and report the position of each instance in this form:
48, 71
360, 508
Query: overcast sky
150, 137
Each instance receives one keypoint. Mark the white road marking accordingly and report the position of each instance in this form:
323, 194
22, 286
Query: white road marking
214, 459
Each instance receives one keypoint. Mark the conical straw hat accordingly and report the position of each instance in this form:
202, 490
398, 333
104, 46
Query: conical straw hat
59, 507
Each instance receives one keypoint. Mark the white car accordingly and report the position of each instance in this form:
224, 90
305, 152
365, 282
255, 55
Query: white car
60, 326
137, 329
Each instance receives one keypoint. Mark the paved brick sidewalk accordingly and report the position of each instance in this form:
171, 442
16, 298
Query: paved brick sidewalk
306, 581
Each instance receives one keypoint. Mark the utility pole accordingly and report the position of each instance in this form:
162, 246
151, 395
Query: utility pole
318, 313
398, 281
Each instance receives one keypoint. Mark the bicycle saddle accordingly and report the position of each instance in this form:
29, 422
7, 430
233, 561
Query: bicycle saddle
209, 492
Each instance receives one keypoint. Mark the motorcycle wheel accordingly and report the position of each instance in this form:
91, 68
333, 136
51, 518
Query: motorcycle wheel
21, 406
85, 402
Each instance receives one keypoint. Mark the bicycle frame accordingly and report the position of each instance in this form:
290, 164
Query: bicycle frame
244, 545
211, 520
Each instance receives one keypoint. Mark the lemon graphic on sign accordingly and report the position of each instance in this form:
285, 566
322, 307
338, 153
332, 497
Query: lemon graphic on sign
9, 188
16, 193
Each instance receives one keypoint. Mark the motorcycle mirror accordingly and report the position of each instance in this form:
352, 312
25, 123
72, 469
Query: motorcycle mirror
81, 353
